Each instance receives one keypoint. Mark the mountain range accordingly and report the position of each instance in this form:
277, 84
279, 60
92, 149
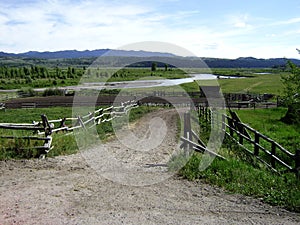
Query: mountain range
75, 57
71, 54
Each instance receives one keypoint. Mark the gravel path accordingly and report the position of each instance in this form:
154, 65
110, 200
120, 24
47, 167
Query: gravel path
76, 190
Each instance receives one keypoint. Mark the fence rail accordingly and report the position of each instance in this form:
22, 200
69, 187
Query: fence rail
47, 127
263, 148
191, 141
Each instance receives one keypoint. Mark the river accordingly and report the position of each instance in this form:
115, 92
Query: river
147, 83
135, 83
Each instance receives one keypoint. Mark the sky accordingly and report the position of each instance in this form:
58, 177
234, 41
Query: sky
210, 28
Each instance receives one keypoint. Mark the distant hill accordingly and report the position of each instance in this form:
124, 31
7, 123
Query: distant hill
248, 62
122, 57
72, 54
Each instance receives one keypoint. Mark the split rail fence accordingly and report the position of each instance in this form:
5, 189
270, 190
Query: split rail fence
44, 129
192, 141
263, 148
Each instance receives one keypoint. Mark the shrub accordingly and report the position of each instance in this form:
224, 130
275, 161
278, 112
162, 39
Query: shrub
26, 92
53, 92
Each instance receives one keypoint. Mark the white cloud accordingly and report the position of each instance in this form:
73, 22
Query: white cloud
240, 24
239, 20
52, 25
289, 21
57, 25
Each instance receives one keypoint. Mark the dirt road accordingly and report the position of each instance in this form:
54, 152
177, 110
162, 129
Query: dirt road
71, 189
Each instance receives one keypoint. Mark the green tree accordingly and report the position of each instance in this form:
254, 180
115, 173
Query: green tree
28, 80
69, 72
57, 72
166, 67
43, 72
21, 73
26, 71
292, 84
154, 66
292, 94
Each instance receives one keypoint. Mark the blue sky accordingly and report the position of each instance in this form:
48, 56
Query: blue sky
210, 28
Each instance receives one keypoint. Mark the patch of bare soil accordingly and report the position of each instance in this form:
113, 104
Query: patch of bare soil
70, 190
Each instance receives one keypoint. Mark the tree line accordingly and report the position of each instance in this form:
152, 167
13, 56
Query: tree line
39, 72
38, 76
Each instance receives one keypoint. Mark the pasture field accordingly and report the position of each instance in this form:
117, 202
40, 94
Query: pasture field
267, 121
258, 83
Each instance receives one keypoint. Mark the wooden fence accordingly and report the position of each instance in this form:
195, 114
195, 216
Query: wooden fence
192, 141
263, 148
45, 128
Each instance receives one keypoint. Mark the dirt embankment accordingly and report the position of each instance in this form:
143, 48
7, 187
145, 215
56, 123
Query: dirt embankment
70, 190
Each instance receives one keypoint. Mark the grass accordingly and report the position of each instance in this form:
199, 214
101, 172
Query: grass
137, 73
268, 83
63, 144
29, 115
12, 148
236, 176
267, 122
241, 173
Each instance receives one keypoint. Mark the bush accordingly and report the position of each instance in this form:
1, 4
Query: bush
26, 92
53, 92
293, 114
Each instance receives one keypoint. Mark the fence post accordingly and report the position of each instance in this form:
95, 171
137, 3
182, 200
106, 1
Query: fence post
201, 110
230, 123
241, 140
92, 115
256, 147
273, 151
46, 125
48, 132
240, 129
223, 123
187, 131
184, 131
297, 163
98, 120
62, 123
212, 119
80, 122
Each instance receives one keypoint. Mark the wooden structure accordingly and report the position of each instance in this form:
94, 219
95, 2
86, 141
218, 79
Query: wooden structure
210, 91
45, 128
191, 141
258, 145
